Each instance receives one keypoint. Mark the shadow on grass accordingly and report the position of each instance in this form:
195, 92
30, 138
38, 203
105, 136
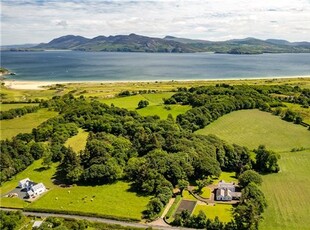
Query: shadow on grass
41, 169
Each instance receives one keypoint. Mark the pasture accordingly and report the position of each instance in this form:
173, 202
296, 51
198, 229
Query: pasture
77, 142
6, 107
252, 128
24, 124
222, 211
111, 200
287, 194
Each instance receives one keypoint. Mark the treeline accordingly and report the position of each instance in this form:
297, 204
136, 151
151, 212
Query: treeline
18, 112
211, 102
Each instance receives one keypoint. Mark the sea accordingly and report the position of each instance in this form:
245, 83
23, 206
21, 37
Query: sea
75, 66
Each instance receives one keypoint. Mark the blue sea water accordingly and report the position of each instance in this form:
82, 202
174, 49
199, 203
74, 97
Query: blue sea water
104, 66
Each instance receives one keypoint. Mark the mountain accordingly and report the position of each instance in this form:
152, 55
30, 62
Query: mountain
170, 44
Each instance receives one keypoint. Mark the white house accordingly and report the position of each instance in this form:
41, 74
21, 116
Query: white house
24, 183
227, 191
36, 190
223, 194
230, 186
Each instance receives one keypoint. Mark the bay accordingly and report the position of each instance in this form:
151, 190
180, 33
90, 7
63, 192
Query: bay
71, 66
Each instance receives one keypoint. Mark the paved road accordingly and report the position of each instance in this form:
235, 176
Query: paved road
96, 219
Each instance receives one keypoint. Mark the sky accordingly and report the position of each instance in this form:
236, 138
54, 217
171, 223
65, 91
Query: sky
36, 21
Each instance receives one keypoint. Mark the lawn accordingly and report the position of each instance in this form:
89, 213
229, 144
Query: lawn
187, 196
226, 176
24, 124
109, 200
287, 194
251, 128
206, 193
77, 142
223, 211
6, 107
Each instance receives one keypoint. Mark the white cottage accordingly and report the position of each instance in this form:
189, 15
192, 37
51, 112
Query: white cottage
24, 183
223, 194
36, 190
223, 185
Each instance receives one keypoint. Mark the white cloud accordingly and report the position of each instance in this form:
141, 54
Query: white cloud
40, 21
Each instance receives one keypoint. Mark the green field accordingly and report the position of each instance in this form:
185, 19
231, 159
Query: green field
77, 142
187, 196
108, 200
287, 191
287, 194
155, 107
6, 107
251, 128
223, 211
162, 112
24, 124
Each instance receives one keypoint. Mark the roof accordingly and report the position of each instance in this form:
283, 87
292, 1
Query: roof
223, 192
24, 180
37, 224
38, 186
222, 183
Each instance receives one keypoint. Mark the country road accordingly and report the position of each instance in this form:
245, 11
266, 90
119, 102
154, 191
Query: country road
96, 219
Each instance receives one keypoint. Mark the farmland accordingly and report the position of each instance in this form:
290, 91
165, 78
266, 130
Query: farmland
304, 112
285, 210
107, 200
251, 128
24, 124
6, 107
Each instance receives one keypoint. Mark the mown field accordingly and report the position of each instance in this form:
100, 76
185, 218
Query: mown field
155, 106
287, 194
6, 107
287, 191
251, 128
24, 124
108, 200
77, 142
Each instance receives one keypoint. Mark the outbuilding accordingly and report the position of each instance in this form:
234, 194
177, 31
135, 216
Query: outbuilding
36, 190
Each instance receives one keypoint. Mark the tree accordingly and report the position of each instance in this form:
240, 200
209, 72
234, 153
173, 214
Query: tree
252, 192
266, 161
37, 150
143, 104
47, 161
153, 207
250, 176
182, 184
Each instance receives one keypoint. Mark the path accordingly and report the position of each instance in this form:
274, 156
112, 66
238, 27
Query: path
160, 221
96, 219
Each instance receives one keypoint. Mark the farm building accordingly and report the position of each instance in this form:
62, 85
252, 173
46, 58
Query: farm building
36, 190
24, 183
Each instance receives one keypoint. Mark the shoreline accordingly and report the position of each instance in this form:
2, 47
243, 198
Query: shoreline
42, 85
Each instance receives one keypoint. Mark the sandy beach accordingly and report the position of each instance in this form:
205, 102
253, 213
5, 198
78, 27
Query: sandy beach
42, 85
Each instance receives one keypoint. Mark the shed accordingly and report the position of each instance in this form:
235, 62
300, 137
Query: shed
24, 183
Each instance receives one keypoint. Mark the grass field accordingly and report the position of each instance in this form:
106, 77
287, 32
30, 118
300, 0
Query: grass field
206, 193
109, 200
6, 107
24, 124
163, 113
223, 211
155, 106
251, 128
287, 191
77, 142
287, 194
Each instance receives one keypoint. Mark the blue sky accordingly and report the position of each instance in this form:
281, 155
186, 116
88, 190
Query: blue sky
26, 21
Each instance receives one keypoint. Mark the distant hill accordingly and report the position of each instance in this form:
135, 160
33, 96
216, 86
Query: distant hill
170, 44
